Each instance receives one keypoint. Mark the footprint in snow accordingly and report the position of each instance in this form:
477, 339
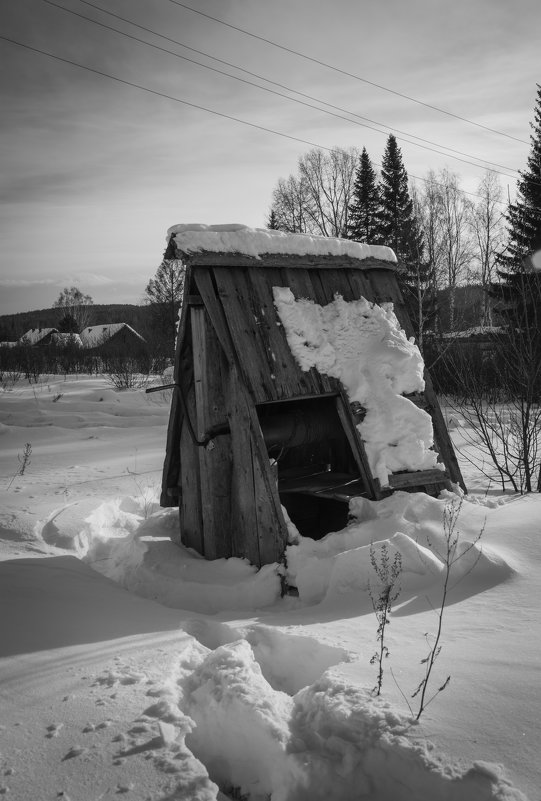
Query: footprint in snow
75, 751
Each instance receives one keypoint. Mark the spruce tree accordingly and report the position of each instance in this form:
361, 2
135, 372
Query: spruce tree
524, 216
518, 305
399, 228
272, 222
519, 264
364, 208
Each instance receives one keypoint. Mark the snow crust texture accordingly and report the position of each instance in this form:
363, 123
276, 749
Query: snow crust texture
363, 345
131, 667
255, 242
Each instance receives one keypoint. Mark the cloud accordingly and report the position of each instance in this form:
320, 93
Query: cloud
25, 282
84, 279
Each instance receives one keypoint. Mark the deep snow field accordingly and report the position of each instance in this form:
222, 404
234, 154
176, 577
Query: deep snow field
132, 668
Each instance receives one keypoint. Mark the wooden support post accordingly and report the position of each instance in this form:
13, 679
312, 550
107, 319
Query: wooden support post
215, 457
191, 521
268, 501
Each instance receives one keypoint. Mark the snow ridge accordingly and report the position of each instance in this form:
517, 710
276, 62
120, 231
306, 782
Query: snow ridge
235, 238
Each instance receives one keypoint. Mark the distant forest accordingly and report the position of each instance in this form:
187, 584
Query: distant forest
468, 310
13, 326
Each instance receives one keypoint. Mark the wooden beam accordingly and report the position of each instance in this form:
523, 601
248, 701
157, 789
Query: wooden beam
357, 446
204, 258
417, 478
215, 458
275, 539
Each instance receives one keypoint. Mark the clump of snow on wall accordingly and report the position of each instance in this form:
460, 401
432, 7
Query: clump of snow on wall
234, 238
362, 345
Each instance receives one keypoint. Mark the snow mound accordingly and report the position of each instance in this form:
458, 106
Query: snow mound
331, 741
128, 541
235, 238
363, 345
338, 568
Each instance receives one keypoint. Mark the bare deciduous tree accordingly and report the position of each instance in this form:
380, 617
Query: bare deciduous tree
75, 305
487, 223
317, 199
456, 238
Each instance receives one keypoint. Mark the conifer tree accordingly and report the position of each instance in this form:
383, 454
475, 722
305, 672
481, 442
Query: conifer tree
365, 204
272, 222
524, 216
521, 261
518, 304
399, 228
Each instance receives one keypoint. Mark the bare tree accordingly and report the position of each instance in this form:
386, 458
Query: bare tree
487, 223
429, 211
424, 270
290, 202
504, 421
75, 305
316, 201
457, 245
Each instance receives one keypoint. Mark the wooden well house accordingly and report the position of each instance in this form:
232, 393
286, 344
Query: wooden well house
250, 432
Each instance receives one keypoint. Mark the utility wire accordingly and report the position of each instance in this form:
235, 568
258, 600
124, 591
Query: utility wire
348, 74
484, 165
200, 108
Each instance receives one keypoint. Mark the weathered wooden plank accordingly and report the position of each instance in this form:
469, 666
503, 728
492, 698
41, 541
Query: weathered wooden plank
289, 379
190, 511
244, 424
357, 446
171, 466
245, 542
236, 298
215, 458
330, 283
301, 285
417, 478
360, 285
385, 287
278, 260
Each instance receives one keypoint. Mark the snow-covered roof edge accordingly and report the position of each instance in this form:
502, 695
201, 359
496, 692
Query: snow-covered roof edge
35, 335
257, 242
94, 335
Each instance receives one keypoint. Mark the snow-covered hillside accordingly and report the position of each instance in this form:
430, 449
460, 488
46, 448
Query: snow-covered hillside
131, 667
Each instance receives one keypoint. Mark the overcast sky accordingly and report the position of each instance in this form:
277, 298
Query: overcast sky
94, 171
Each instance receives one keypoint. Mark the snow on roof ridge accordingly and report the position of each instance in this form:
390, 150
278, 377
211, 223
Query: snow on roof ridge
237, 238
34, 335
93, 335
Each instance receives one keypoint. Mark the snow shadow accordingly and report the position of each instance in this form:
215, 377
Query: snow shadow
288, 662
59, 601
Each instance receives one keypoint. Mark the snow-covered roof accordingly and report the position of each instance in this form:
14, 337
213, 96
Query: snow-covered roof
95, 335
256, 242
8, 344
34, 335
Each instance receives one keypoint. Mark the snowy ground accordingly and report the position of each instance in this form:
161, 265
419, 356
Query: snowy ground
130, 667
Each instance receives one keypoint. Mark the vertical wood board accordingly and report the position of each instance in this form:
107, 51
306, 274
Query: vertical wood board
214, 458
239, 398
245, 542
289, 379
191, 521
235, 295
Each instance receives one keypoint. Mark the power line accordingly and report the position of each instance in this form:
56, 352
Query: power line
196, 106
348, 74
484, 165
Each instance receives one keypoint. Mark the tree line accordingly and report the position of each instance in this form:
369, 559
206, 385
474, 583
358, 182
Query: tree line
441, 237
